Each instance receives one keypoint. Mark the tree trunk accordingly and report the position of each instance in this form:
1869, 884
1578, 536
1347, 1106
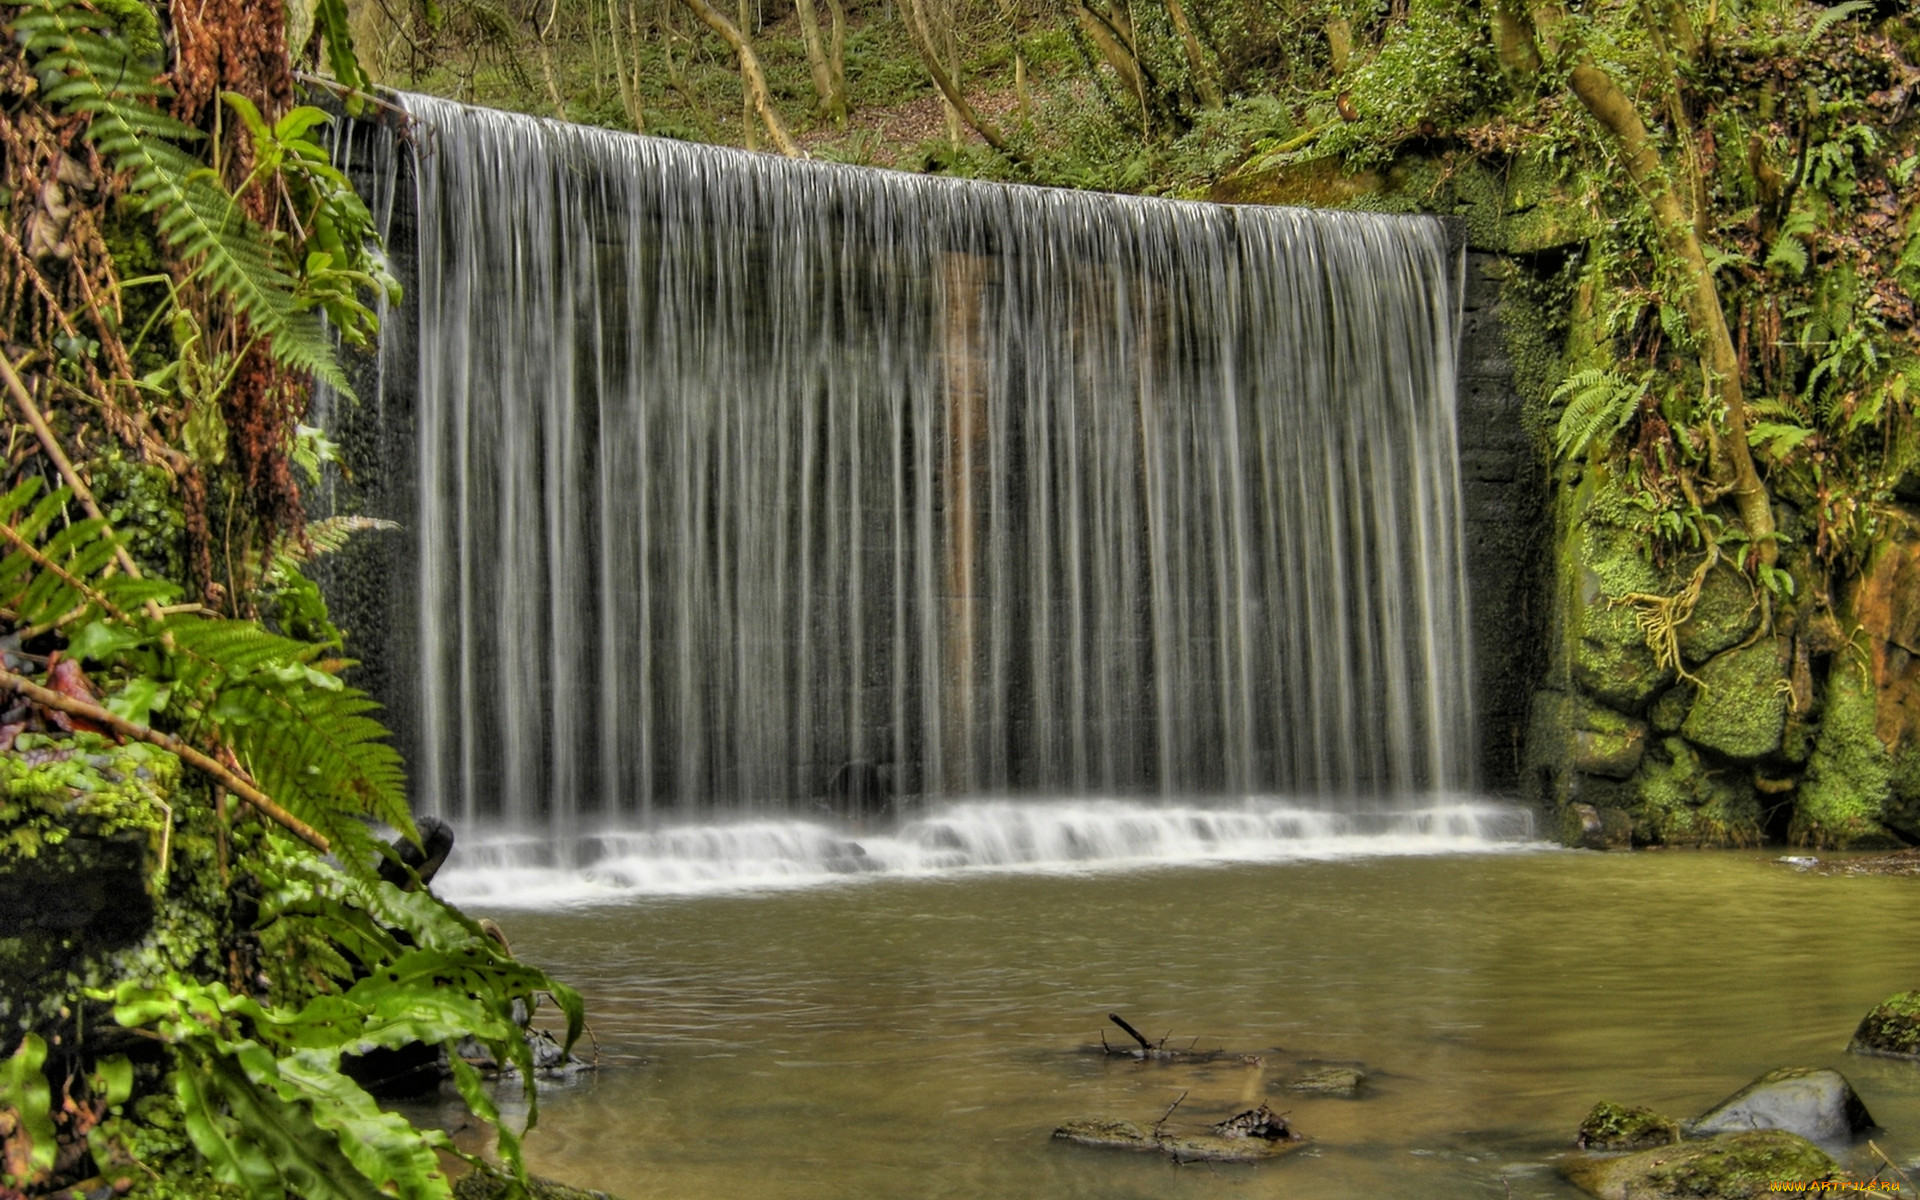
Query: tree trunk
1719, 361
916, 18
1196, 61
629, 80
752, 80
832, 104
837, 58
1107, 40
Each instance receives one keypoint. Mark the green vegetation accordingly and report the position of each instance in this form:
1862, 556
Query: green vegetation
1613, 1126
183, 772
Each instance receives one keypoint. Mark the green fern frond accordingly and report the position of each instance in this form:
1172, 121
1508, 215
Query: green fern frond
1833, 16
194, 214
1599, 405
308, 739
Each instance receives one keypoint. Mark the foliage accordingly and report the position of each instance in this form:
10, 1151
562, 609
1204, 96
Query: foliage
97, 74
271, 700
260, 1086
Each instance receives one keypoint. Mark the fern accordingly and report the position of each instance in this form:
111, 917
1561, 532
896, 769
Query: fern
1599, 405
1833, 16
305, 736
102, 79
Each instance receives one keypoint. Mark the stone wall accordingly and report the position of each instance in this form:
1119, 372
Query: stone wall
372, 587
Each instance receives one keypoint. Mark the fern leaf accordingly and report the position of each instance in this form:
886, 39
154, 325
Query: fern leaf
1599, 405
1833, 16
195, 216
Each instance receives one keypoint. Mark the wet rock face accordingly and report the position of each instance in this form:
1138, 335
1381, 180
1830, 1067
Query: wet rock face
1814, 1103
1891, 1029
1733, 1166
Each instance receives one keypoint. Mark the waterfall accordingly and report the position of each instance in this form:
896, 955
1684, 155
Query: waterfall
746, 483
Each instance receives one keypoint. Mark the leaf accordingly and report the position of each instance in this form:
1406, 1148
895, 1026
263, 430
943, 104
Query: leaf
112, 1079
331, 18
1778, 438
24, 1089
98, 641
138, 698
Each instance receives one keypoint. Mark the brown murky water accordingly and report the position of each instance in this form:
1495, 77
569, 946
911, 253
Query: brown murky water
922, 1037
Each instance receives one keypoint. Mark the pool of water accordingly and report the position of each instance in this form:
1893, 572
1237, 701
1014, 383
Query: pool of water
922, 1035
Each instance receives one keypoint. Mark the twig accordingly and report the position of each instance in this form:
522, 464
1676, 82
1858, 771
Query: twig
59, 572
1135, 1034
232, 782
1889, 1162
1178, 1100
31, 411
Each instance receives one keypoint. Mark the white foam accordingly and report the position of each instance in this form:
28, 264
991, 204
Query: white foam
502, 869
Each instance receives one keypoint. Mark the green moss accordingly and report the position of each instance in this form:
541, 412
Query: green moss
1684, 803
82, 820
54, 788
1727, 612
1667, 713
1603, 559
1613, 1126
138, 498
487, 1185
1733, 1166
1849, 775
1742, 705
1893, 1027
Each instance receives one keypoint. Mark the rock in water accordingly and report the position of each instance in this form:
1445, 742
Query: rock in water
1733, 1166
484, 1184
1330, 1081
1892, 1028
1250, 1136
1613, 1126
1813, 1102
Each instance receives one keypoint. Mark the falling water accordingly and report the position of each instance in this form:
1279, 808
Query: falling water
745, 482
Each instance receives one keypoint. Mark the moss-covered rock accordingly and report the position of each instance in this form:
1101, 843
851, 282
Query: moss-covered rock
84, 901
1610, 659
1850, 774
1733, 1166
1666, 714
490, 1185
1613, 1126
1248, 1137
1606, 742
1726, 614
1892, 1028
1594, 828
1742, 705
1330, 1081
1683, 802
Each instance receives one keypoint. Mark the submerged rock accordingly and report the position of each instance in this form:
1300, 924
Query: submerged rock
1613, 1126
1732, 1166
1251, 1136
1330, 1081
1592, 828
1891, 1029
1813, 1102
484, 1184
